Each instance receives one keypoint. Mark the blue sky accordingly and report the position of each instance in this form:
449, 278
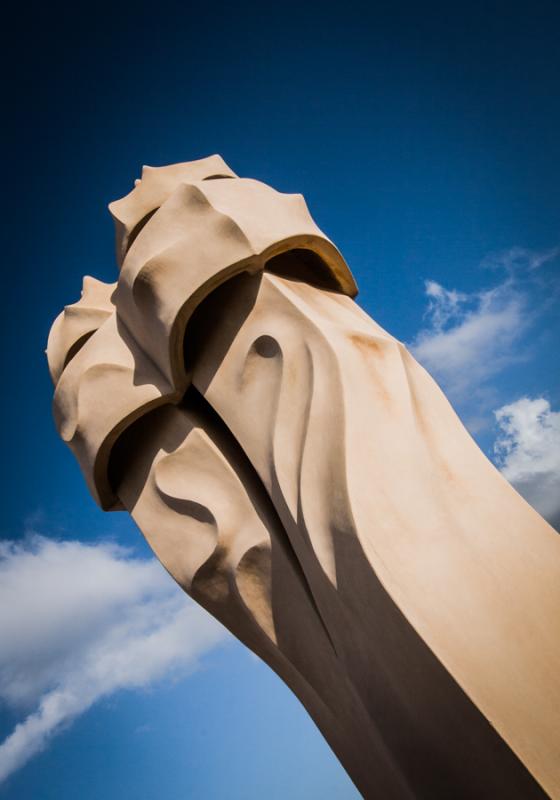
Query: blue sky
425, 139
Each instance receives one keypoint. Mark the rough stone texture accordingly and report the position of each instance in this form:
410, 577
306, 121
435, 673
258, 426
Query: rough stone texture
307, 482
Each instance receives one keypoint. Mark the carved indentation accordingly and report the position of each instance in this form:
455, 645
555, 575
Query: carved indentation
254, 581
267, 347
303, 265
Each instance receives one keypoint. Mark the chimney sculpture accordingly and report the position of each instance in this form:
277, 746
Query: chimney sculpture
306, 481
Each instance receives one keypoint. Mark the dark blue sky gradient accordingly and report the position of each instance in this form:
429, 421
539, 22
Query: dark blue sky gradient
423, 136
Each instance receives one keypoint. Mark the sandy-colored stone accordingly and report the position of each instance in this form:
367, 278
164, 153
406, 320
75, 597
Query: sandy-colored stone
305, 480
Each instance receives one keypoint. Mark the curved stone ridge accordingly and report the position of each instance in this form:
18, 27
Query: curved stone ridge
203, 234
183, 230
77, 322
152, 190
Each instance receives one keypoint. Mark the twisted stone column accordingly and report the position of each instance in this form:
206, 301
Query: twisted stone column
306, 481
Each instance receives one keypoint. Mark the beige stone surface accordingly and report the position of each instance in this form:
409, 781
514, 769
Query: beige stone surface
305, 480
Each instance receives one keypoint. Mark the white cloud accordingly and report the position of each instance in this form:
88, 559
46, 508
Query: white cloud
528, 452
470, 338
467, 339
79, 622
444, 305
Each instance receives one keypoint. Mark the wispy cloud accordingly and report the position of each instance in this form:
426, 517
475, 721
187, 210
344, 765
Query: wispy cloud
467, 339
528, 452
80, 622
518, 260
444, 305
